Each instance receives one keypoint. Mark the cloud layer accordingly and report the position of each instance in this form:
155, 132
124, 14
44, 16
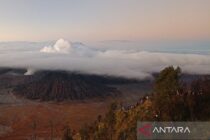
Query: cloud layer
132, 63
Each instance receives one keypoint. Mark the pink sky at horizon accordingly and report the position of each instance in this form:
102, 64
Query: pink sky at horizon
37, 20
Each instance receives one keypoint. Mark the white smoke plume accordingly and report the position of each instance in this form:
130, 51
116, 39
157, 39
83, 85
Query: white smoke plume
29, 72
61, 46
129, 63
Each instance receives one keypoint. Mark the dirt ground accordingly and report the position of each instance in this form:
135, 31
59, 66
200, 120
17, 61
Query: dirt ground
42, 119
22, 119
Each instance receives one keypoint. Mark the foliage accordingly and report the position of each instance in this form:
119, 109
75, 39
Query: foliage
171, 101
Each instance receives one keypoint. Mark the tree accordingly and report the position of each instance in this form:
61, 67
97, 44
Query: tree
167, 85
111, 119
34, 127
67, 135
51, 129
84, 132
167, 81
99, 118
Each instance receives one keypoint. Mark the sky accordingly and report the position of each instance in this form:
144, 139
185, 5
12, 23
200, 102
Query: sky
99, 20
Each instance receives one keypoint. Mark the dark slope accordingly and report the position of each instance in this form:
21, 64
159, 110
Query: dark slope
61, 86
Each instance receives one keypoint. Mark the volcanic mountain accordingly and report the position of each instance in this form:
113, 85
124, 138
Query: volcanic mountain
61, 85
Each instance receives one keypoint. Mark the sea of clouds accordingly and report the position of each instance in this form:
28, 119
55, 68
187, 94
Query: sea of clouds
75, 56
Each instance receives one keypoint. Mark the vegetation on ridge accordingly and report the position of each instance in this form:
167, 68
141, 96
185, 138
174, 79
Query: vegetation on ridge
171, 100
